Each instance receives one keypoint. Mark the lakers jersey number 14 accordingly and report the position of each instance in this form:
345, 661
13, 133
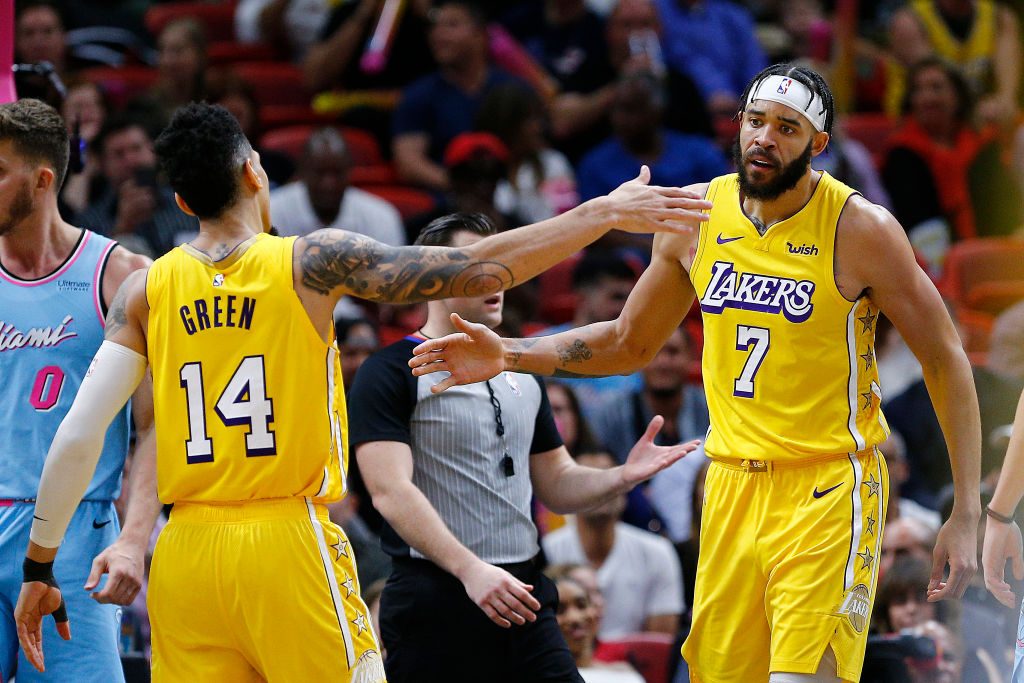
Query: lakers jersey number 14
247, 395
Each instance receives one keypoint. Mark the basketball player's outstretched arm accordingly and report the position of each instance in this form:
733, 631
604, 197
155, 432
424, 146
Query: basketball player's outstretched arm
873, 257
332, 263
116, 372
653, 310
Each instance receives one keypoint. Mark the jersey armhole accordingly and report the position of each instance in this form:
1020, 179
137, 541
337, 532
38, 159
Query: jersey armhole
101, 271
833, 286
702, 229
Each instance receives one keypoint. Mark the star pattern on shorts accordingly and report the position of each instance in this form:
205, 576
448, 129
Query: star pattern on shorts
340, 548
873, 485
868, 320
869, 358
866, 397
871, 525
866, 558
360, 623
349, 585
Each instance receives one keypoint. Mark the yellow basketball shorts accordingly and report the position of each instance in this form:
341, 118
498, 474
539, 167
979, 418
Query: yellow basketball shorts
260, 590
788, 566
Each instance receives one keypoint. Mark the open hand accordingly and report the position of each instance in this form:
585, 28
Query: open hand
642, 208
957, 546
474, 354
646, 459
1002, 543
37, 599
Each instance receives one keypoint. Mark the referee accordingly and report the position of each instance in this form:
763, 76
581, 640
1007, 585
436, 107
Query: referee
453, 475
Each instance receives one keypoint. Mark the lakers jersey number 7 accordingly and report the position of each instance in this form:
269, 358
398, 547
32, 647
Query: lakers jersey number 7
789, 362
247, 395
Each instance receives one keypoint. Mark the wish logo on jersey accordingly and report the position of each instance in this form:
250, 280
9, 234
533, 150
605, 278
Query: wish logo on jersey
754, 292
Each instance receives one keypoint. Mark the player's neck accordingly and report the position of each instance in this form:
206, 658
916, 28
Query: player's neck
768, 212
38, 245
225, 233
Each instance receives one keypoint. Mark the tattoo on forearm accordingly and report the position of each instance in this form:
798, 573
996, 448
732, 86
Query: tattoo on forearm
117, 316
577, 352
518, 347
375, 271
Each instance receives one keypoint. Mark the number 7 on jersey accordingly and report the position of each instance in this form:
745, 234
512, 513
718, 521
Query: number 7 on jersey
759, 338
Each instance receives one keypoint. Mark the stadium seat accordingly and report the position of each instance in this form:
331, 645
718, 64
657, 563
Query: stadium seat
229, 52
121, 83
557, 299
291, 139
217, 18
648, 653
376, 174
871, 130
985, 274
408, 200
274, 82
273, 116
975, 330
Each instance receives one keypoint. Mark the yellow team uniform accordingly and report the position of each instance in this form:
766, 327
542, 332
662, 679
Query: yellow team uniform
973, 56
250, 579
795, 495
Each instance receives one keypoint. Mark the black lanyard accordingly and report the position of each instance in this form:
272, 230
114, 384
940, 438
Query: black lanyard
507, 466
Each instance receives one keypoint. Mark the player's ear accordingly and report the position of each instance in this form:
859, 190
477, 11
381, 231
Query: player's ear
819, 142
182, 205
44, 178
251, 176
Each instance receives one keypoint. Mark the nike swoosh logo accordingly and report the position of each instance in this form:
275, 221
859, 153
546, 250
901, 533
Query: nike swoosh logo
819, 494
726, 240
39, 518
99, 525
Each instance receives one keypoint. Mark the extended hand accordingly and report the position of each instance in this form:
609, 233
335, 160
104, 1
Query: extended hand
957, 545
504, 599
125, 564
645, 459
1002, 543
644, 208
37, 599
472, 355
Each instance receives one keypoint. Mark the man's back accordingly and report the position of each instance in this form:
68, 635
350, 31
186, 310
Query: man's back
247, 394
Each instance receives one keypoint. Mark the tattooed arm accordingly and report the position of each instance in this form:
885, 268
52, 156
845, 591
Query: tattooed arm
655, 307
331, 263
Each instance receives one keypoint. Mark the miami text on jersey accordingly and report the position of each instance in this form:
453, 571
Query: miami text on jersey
754, 292
38, 337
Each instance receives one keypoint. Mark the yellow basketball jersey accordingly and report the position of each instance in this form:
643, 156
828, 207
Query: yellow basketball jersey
247, 396
789, 363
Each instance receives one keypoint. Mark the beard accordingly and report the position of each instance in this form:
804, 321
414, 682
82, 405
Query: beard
19, 209
787, 178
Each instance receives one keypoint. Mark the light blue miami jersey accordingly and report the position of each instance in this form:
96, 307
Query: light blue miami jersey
50, 329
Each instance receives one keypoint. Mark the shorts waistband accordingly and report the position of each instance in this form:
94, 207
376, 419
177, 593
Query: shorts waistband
257, 510
7, 502
752, 465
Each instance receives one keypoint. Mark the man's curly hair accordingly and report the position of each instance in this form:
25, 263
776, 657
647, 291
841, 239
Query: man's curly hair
202, 151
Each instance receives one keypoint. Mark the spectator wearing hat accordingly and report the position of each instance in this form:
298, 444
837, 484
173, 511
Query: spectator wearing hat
439, 106
322, 197
474, 164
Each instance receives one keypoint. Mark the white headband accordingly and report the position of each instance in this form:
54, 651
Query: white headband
793, 94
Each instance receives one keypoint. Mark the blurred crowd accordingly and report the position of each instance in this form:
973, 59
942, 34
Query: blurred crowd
378, 116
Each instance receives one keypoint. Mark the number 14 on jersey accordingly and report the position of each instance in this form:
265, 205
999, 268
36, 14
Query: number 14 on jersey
243, 401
